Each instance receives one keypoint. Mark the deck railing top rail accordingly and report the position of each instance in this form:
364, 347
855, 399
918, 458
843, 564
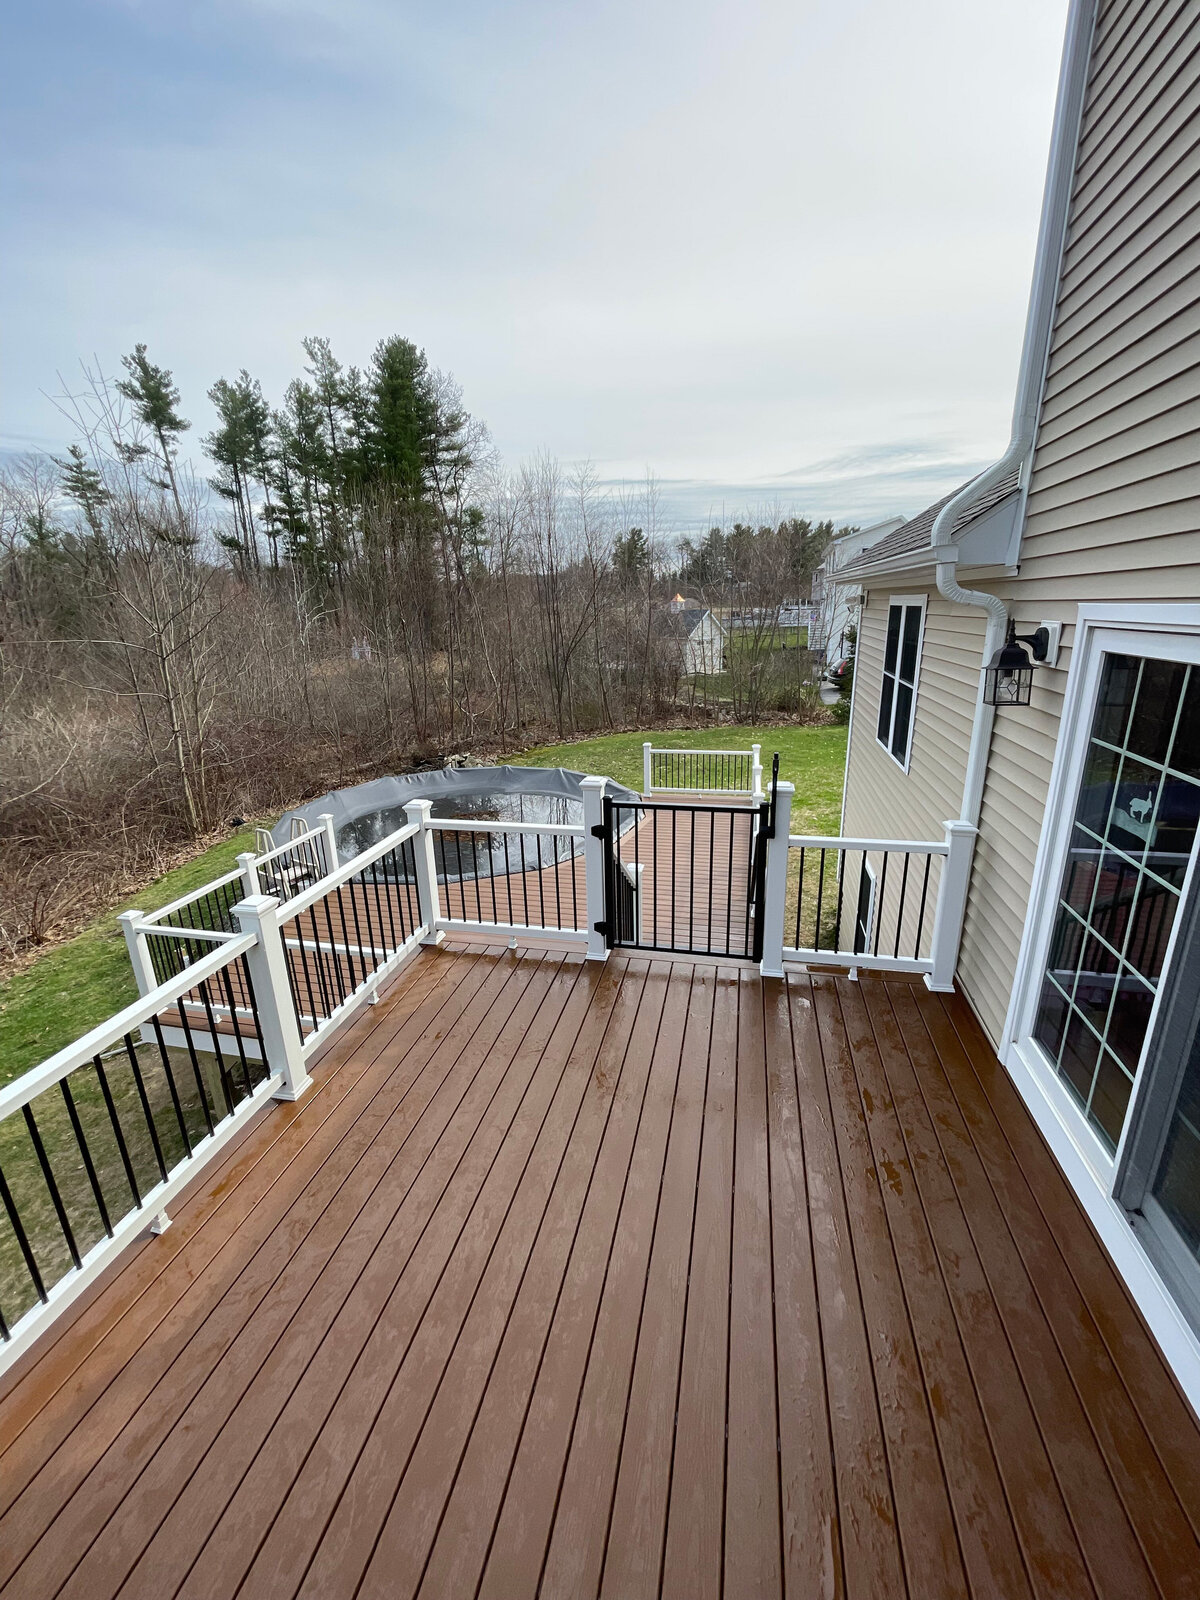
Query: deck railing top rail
100, 1038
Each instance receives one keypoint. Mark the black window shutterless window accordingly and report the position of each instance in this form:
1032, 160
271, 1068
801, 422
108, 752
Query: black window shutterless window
898, 693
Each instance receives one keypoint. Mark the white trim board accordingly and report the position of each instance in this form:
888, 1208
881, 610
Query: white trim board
1087, 1165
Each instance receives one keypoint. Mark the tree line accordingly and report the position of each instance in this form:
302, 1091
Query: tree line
350, 583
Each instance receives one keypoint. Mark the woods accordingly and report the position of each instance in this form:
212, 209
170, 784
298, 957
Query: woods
351, 582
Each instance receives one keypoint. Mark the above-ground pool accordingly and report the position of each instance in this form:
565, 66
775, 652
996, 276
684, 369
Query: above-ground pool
369, 812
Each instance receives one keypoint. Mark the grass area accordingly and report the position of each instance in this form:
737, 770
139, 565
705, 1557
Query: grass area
814, 759
78, 984
744, 642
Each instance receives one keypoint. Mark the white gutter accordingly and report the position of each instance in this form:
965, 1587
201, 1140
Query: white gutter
1035, 354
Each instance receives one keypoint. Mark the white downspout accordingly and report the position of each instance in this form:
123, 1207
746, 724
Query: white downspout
985, 716
1035, 353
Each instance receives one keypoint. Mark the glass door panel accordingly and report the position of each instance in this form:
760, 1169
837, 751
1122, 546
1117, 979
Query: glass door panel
1135, 823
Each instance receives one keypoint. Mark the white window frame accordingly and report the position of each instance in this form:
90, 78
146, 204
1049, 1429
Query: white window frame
917, 602
1086, 1163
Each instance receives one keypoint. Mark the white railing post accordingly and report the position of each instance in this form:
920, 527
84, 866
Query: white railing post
756, 787
646, 765
594, 866
331, 849
278, 1029
248, 866
951, 905
419, 812
139, 950
774, 904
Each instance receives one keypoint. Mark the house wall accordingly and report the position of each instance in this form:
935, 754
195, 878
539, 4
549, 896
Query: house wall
1114, 501
882, 800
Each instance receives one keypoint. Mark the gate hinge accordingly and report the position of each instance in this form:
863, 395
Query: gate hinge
599, 831
600, 928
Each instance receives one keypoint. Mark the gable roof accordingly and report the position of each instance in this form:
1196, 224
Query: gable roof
914, 535
682, 624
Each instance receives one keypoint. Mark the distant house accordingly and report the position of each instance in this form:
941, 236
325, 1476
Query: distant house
830, 612
696, 633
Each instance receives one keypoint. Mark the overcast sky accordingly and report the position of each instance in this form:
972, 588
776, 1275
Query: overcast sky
774, 251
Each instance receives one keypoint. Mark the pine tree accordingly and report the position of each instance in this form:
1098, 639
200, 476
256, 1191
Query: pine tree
404, 423
83, 484
155, 401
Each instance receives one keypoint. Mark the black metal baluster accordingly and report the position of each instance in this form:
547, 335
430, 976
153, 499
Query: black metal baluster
820, 898
171, 1086
218, 1053
151, 1126
900, 908
56, 1199
89, 1166
201, 1087
302, 958
800, 903
541, 879
18, 1228
475, 869
118, 1132
363, 949
335, 958
879, 902
318, 956
921, 915
237, 1032
841, 883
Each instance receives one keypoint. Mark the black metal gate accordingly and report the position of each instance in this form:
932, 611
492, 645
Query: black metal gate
685, 878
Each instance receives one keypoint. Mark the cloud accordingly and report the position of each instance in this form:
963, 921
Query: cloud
718, 239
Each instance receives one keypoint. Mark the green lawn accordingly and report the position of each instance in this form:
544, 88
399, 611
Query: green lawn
814, 759
78, 984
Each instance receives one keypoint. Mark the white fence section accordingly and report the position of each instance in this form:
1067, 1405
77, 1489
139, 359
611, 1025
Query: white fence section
889, 905
736, 773
239, 988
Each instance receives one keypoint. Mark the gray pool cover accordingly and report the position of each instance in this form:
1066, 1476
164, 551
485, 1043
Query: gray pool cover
384, 794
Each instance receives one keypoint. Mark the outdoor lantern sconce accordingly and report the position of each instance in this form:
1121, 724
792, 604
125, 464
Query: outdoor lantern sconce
1008, 677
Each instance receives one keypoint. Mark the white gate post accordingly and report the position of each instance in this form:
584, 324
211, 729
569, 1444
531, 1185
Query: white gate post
756, 771
594, 866
419, 811
331, 849
951, 905
646, 764
774, 903
139, 951
279, 1030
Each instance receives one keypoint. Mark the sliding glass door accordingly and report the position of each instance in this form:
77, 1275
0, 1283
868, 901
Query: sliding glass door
1134, 828
1115, 1014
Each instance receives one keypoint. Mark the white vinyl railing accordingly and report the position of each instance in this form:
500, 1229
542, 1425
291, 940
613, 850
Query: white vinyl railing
668, 770
237, 997
888, 905
101, 1137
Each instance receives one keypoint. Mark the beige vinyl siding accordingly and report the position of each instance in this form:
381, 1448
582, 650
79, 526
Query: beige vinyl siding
1114, 501
918, 802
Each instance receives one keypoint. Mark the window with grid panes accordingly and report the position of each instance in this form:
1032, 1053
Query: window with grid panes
898, 691
1134, 828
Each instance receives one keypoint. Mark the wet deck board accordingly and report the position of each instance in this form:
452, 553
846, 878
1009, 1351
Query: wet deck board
636, 1278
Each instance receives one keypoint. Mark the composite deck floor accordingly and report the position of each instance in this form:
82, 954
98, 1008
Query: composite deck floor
639, 1278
